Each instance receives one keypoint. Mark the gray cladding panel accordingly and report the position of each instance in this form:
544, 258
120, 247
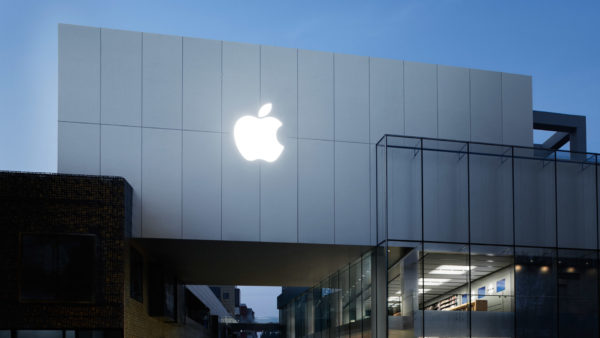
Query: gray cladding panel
201, 209
351, 98
535, 215
386, 98
315, 191
278, 85
78, 148
454, 116
121, 155
78, 74
162, 75
161, 183
517, 117
279, 196
486, 106
576, 196
352, 184
241, 82
240, 194
420, 99
201, 84
315, 95
121, 57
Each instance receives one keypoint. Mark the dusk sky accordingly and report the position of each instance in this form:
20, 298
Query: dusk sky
557, 42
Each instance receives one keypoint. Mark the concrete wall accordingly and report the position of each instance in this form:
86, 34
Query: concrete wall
159, 110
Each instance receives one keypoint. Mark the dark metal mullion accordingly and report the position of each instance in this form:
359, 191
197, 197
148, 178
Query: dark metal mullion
469, 233
514, 300
556, 243
422, 243
597, 247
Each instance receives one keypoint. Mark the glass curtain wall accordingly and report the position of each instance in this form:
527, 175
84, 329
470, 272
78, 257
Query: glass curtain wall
339, 306
484, 240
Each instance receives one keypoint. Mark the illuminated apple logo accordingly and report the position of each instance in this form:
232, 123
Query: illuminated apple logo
256, 137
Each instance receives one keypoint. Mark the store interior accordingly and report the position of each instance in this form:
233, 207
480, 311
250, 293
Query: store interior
435, 288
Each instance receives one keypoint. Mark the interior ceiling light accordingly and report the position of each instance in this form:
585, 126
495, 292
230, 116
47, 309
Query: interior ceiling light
424, 290
433, 281
452, 269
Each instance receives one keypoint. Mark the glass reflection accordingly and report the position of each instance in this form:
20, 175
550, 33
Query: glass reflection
403, 266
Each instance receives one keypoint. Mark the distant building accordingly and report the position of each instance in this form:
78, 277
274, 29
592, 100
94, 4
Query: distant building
229, 296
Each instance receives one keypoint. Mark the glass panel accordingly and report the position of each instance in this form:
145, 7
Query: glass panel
404, 189
334, 305
535, 289
491, 194
344, 282
381, 192
4, 333
405, 317
445, 185
535, 216
492, 291
444, 290
300, 316
576, 182
366, 295
355, 300
39, 334
578, 293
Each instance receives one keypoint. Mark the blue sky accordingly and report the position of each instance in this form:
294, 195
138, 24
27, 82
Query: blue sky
557, 42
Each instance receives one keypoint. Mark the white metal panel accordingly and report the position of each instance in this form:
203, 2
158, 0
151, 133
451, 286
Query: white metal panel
387, 98
201, 84
121, 77
78, 73
279, 86
161, 183
240, 194
517, 110
351, 98
315, 95
162, 77
352, 191
121, 155
241, 82
78, 148
453, 103
486, 106
201, 195
279, 196
420, 97
315, 191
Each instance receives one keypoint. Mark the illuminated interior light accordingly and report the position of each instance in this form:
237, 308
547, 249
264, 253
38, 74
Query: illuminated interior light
452, 269
570, 269
424, 290
544, 269
518, 268
433, 281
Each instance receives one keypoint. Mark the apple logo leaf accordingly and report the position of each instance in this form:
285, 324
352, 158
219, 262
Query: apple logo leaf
265, 110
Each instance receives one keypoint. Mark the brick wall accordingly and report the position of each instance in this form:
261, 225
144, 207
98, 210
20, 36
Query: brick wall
51, 203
